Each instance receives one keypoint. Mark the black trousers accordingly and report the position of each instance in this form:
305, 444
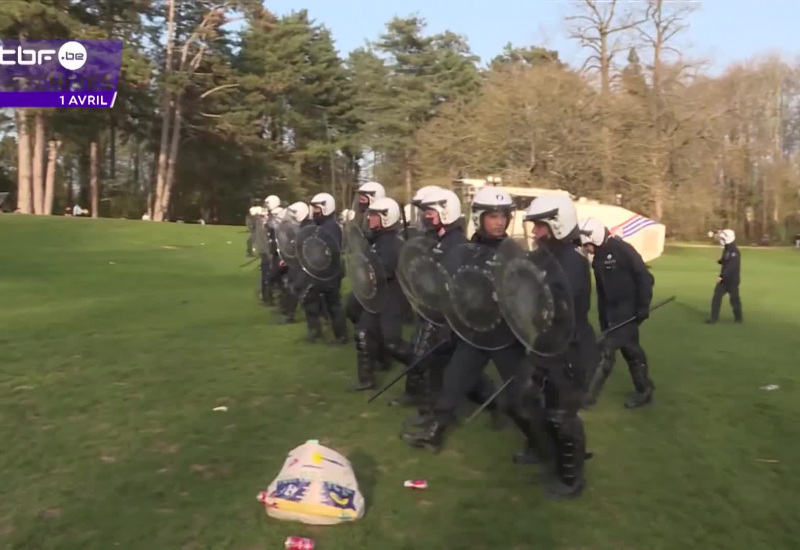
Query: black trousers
352, 308
732, 290
319, 299
551, 404
626, 340
432, 349
463, 375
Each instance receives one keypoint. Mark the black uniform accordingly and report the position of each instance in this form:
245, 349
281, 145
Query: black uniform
272, 273
558, 383
381, 334
318, 297
424, 382
250, 222
624, 290
463, 373
296, 282
731, 262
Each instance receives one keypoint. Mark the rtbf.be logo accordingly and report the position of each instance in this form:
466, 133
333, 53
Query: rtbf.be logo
72, 56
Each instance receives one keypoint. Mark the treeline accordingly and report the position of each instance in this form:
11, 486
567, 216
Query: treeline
222, 101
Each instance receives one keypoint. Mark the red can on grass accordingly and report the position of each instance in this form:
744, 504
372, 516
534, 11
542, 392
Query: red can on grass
298, 543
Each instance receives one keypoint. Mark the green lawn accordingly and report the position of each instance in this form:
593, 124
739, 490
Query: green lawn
118, 338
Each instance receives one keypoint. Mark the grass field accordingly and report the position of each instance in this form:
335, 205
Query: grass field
118, 338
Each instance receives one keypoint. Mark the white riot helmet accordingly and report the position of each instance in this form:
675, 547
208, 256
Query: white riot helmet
592, 231
557, 212
726, 237
256, 210
325, 202
277, 213
445, 202
421, 192
271, 203
297, 211
491, 199
387, 209
373, 191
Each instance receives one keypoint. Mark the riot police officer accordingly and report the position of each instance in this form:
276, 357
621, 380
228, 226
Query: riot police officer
325, 294
624, 290
441, 219
365, 194
559, 380
270, 270
250, 221
296, 279
492, 211
415, 383
729, 277
382, 329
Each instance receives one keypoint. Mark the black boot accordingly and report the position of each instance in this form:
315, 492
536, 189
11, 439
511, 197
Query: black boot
601, 374
314, 328
365, 357
643, 385
564, 477
404, 400
527, 455
385, 359
430, 437
423, 418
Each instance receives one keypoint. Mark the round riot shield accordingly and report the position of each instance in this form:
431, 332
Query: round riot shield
470, 305
365, 270
534, 297
318, 253
285, 238
423, 278
261, 236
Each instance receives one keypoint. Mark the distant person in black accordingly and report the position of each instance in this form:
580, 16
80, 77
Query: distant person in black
624, 290
729, 277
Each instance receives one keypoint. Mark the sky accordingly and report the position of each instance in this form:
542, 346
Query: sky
722, 31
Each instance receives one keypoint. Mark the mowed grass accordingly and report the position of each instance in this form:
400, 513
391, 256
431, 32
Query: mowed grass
118, 338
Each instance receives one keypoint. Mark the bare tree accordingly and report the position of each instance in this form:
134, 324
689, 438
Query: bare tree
156, 214
171, 104
599, 27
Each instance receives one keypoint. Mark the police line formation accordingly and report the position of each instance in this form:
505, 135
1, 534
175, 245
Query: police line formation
473, 301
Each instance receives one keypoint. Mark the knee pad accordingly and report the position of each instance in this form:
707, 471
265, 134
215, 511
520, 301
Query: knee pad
362, 340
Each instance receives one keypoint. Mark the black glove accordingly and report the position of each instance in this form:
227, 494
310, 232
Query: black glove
642, 314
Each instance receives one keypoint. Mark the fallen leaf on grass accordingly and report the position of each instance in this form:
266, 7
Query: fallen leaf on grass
108, 459
424, 503
768, 460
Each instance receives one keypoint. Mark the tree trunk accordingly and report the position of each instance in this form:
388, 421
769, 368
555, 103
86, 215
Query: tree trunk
166, 111
112, 165
173, 158
51, 177
24, 202
38, 164
94, 191
70, 182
